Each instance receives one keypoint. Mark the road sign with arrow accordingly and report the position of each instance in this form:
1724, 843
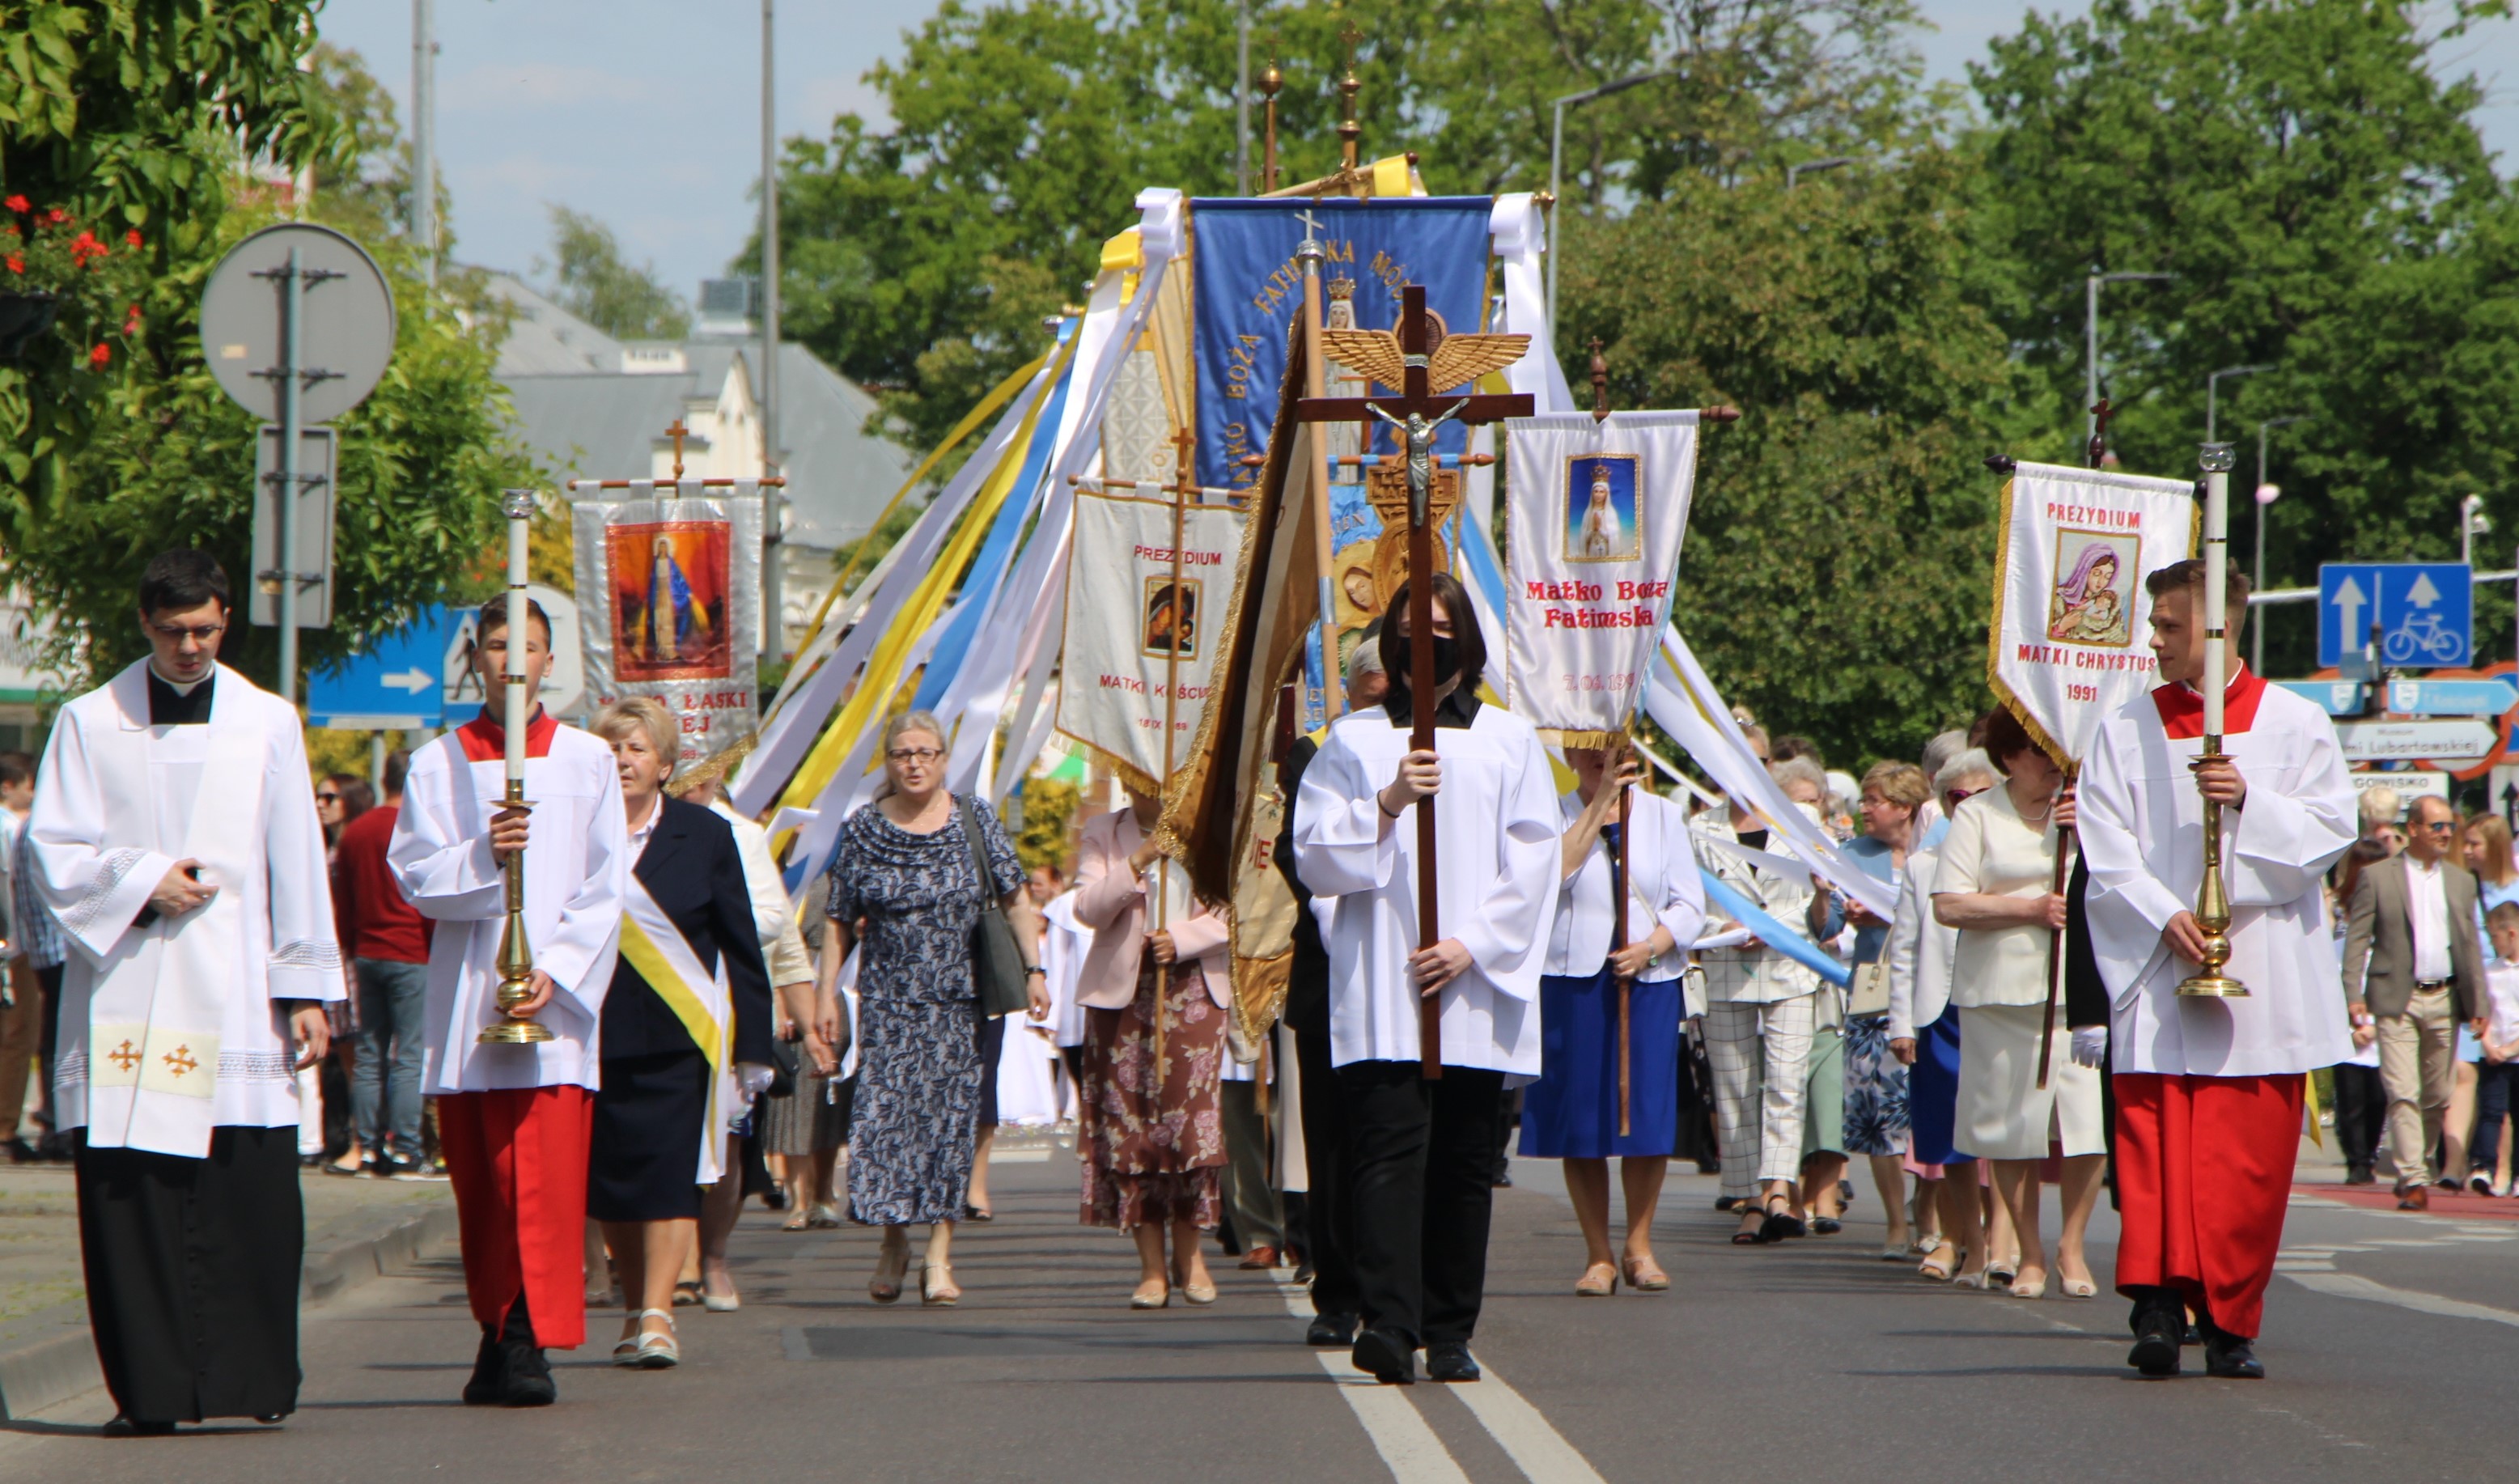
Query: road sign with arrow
392, 687
2424, 612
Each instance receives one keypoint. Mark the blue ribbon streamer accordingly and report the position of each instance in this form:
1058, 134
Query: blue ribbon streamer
1727, 898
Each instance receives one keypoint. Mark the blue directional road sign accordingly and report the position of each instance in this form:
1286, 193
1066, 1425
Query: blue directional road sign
2337, 698
398, 685
2451, 698
2426, 612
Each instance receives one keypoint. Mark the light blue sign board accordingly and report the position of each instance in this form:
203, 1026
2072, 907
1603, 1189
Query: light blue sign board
397, 684
2339, 698
2426, 612
2451, 698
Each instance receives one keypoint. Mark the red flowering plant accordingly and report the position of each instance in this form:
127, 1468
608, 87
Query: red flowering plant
96, 278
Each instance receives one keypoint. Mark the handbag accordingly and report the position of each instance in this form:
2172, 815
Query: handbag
1869, 994
998, 969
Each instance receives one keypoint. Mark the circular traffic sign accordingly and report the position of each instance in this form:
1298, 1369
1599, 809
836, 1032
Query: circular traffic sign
348, 330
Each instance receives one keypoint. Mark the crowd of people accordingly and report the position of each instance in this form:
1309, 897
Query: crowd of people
1962, 1001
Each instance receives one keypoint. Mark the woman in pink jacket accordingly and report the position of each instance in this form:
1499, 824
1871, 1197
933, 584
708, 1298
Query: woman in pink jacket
1150, 1134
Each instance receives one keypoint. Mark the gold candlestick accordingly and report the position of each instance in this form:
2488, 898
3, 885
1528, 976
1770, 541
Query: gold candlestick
515, 954
2212, 901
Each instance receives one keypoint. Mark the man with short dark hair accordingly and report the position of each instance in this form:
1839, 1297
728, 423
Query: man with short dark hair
176, 843
388, 940
2413, 971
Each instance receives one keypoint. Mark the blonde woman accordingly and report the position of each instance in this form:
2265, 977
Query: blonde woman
652, 1113
904, 871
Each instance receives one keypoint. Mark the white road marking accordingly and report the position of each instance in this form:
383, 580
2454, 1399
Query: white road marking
1536, 1448
2351, 1286
1408, 1447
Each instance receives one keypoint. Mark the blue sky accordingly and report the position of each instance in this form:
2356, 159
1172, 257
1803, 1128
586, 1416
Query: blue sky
646, 112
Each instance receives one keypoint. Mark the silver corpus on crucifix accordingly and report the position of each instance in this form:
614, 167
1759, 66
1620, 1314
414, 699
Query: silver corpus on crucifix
2212, 900
1419, 430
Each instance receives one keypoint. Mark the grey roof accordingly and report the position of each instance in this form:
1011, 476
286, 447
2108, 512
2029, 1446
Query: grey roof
578, 408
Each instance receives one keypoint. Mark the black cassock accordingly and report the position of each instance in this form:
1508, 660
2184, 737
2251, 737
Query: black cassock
193, 1274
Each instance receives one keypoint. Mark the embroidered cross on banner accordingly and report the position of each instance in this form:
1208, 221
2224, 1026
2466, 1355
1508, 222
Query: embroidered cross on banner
125, 1056
179, 1060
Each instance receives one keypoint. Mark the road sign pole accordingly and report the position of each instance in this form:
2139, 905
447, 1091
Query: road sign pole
293, 325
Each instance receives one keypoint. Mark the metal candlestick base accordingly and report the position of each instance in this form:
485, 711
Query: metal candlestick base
516, 958
2212, 912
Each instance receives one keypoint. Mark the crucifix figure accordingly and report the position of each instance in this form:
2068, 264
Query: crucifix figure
2097, 453
1407, 361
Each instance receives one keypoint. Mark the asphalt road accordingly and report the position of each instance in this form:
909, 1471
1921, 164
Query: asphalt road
2392, 1341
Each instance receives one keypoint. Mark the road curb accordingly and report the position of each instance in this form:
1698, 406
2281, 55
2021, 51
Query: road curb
61, 1366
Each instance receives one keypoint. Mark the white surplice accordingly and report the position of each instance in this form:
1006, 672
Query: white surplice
169, 1030
576, 872
1497, 829
2143, 832
1919, 951
1063, 945
1662, 887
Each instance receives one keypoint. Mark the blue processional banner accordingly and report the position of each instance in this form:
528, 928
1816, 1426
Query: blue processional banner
1249, 289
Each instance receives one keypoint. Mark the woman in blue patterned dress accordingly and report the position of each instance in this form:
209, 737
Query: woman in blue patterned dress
903, 874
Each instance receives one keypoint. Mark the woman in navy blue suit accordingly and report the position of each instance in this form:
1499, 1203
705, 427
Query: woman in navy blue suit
653, 1113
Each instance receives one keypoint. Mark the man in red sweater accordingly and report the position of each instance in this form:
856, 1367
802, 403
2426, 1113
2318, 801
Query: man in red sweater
388, 944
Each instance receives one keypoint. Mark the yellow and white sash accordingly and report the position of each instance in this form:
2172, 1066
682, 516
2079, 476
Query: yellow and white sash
699, 999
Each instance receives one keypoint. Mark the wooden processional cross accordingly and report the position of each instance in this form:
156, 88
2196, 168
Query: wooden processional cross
1417, 413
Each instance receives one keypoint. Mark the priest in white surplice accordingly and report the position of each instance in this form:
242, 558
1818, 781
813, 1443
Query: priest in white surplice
1424, 1153
177, 844
2208, 1091
514, 1120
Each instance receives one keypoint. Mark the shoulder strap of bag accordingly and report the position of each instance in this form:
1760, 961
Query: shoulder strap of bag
970, 813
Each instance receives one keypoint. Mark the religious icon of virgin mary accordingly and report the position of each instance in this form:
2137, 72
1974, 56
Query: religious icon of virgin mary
2087, 608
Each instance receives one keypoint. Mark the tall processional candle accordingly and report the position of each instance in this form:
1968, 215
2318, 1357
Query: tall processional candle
2212, 901
515, 954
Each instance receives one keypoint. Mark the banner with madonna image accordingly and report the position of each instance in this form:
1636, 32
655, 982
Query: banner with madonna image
1596, 511
2072, 621
668, 599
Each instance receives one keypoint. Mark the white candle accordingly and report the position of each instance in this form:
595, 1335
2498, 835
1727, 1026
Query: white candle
2217, 541
520, 706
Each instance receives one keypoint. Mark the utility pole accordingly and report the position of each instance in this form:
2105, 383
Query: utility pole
773, 623
2266, 495
423, 133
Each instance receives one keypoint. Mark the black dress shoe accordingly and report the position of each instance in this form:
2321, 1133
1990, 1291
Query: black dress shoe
2231, 1356
1386, 1356
528, 1381
1329, 1331
2360, 1174
1451, 1361
489, 1381
2157, 1328
132, 1427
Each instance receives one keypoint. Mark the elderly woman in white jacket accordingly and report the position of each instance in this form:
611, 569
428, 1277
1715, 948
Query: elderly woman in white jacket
1924, 1034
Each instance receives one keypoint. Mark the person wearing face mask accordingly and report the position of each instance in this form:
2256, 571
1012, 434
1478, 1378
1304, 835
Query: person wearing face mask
1424, 1151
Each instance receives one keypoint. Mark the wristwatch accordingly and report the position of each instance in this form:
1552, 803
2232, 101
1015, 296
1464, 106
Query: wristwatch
1031, 969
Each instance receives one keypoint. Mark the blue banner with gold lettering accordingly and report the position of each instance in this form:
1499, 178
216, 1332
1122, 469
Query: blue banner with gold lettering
1249, 289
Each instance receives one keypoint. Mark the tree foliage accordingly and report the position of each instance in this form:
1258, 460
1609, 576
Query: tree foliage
593, 282
182, 116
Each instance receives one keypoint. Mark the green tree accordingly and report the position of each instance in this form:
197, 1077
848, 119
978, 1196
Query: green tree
921, 258
103, 468
2311, 173
1834, 574
593, 282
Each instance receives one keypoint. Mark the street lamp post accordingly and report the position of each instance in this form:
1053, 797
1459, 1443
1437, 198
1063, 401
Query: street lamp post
1556, 159
2266, 495
2091, 328
2212, 398
2472, 523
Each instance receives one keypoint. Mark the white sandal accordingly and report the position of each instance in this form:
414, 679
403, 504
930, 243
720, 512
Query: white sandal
656, 1352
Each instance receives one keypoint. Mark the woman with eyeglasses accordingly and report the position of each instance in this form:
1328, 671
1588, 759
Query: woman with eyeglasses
1924, 1037
904, 865
1995, 885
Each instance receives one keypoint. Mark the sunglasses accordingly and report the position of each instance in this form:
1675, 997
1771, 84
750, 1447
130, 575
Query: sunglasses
328, 798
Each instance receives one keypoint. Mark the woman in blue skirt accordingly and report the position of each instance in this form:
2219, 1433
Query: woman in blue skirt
1571, 1112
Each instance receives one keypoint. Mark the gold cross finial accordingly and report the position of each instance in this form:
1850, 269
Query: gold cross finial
1349, 130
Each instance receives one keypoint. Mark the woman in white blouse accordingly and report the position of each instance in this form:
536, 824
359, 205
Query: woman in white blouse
1995, 885
1571, 1112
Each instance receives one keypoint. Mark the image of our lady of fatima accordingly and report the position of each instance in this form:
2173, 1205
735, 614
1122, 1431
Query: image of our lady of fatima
1172, 627
1601, 524
2093, 604
670, 580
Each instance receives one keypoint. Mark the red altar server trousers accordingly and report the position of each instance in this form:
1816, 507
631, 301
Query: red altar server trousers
2204, 1168
516, 1157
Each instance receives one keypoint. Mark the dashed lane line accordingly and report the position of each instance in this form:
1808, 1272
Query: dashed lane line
1409, 1448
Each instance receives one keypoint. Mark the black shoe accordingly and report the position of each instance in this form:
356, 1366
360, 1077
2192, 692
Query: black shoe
2360, 1174
1329, 1331
1726, 1202
1386, 1356
1503, 1180
131, 1427
2232, 1358
18, 1150
529, 1380
271, 1419
488, 1382
774, 1198
2157, 1328
1451, 1361
1825, 1226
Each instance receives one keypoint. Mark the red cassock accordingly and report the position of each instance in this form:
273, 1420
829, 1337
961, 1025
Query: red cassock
516, 1157
2204, 1168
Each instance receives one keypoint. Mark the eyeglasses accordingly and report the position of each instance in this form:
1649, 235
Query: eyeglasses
198, 633
2440, 826
328, 798
915, 754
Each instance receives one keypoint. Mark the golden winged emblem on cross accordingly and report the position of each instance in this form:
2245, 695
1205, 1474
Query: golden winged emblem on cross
1451, 361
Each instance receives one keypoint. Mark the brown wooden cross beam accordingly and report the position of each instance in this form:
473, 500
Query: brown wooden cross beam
1418, 414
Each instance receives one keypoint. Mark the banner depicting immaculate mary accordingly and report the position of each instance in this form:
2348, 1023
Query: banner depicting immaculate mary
669, 594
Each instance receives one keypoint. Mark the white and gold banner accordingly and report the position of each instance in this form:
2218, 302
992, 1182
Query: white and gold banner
668, 604
1138, 647
1596, 512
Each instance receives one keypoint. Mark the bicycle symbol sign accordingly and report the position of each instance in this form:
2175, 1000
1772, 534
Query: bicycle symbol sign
2424, 612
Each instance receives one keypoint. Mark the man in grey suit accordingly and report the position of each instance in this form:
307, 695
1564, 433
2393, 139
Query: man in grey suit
2413, 968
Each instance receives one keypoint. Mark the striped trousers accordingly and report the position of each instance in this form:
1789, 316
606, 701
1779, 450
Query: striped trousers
1759, 1055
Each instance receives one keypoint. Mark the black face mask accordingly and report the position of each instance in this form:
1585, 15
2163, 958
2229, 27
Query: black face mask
1448, 659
